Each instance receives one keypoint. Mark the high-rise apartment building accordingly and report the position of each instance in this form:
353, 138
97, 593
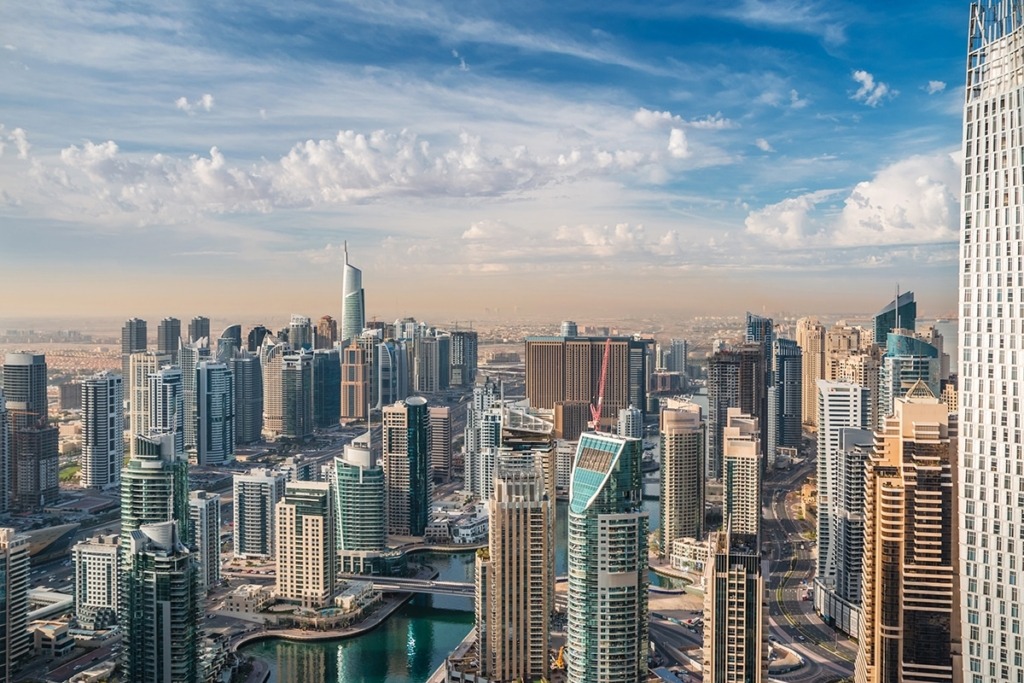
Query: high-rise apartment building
678, 357
723, 394
432, 363
741, 477
326, 333
682, 474
841, 405
248, 379
355, 382
32, 470
482, 438
406, 459
254, 340
393, 372
133, 340
167, 405
204, 519
907, 359
571, 419
229, 344
353, 301
97, 581
154, 486
785, 397
439, 441
5, 454
569, 369
168, 338
326, 388
513, 575
911, 629
305, 544
199, 327
189, 358
297, 396
102, 430
864, 368
607, 599
142, 365
898, 314
735, 647
841, 341
215, 413
991, 335
361, 534
256, 494
14, 579
300, 333
810, 337
161, 612
569, 328
464, 345
630, 423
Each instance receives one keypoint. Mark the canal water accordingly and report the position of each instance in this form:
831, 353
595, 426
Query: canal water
413, 641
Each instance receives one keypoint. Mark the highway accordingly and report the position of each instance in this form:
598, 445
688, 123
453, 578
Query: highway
828, 655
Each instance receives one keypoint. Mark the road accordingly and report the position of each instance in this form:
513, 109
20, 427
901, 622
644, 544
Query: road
828, 654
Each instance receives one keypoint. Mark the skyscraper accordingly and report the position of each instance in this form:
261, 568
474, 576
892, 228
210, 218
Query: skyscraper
679, 356
300, 333
14, 580
630, 423
102, 430
305, 544
97, 581
355, 382
353, 301
605, 501
215, 413
168, 338
910, 628
326, 333
166, 405
198, 328
161, 607
785, 397
154, 486
723, 394
463, 358
392, 372
681, 496
432, 364
248, 378
34, 464
361, 534
741, 478
513, 575
142, 365
5, 454
907, 359
734, 620
326, 388
189, 357
840, 405
439, 441
406, 460
810, 337
255, 499
254, 340
899, 314
204, 520
297, 413
229, 343
133, 340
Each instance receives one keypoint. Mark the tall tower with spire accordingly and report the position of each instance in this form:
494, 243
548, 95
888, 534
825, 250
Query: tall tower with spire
353, 301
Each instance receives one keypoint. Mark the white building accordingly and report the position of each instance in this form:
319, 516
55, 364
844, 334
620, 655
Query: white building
631, 423
102, 430
14, 578
255, 497
215, 413
741, 474
204, 516
97, 577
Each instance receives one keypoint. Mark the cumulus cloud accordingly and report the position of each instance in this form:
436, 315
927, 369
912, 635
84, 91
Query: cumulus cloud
203, 103
19, 138
764, 145
797, 102
935, 87
677, 144
913, 201
870, 92
653, 119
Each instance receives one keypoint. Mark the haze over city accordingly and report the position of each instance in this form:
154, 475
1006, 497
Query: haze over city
761, 155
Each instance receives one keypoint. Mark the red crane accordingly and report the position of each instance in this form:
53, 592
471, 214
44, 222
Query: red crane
595, 410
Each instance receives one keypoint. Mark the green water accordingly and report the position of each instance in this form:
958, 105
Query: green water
411, 643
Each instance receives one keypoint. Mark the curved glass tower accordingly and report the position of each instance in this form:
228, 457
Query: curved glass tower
353, 303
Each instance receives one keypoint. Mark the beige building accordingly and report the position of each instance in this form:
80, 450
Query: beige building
863, 368
741, 475
439, 441
514, 575
355, 382
141, 366
305, 545
910, 626
682, 474
735, 649
406, 460
810, 337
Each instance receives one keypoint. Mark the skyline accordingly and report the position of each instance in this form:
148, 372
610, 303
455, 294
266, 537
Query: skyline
481, 159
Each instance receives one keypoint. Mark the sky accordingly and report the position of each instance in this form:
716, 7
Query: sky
480, 158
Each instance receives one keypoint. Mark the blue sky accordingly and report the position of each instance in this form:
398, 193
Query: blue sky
552, 157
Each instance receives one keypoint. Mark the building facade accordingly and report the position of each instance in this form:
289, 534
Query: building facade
810, 337
735, 645
353, 301
204, 519
361, 534
256, 494
682, 475
97, 581
102, 431
14, 581
215, 413
305, 544
406, 458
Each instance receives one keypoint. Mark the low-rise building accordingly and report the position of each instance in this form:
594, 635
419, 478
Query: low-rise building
50, 639
689, 555
248, 598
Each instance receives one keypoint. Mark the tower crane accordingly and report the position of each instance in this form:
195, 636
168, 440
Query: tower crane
595, 410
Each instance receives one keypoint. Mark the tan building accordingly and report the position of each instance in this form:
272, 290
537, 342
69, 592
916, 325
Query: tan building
810, 337
682, 474
355, 382
863, 368
735, 649
326, 333
514, 575
141, 366
305, 545
406, 459
571, 419
910, 626
841, 341
439, 441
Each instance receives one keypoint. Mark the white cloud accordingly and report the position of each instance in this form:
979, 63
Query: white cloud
912, 201
713, 122
203, 103
653, 119
935, 87
764, 145
462, 60
19, 138
870, 92
677, 145
797, 102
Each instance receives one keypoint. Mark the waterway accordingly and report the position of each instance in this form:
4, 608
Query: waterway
413, 641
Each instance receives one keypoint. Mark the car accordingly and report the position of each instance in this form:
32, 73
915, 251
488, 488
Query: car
802, 639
